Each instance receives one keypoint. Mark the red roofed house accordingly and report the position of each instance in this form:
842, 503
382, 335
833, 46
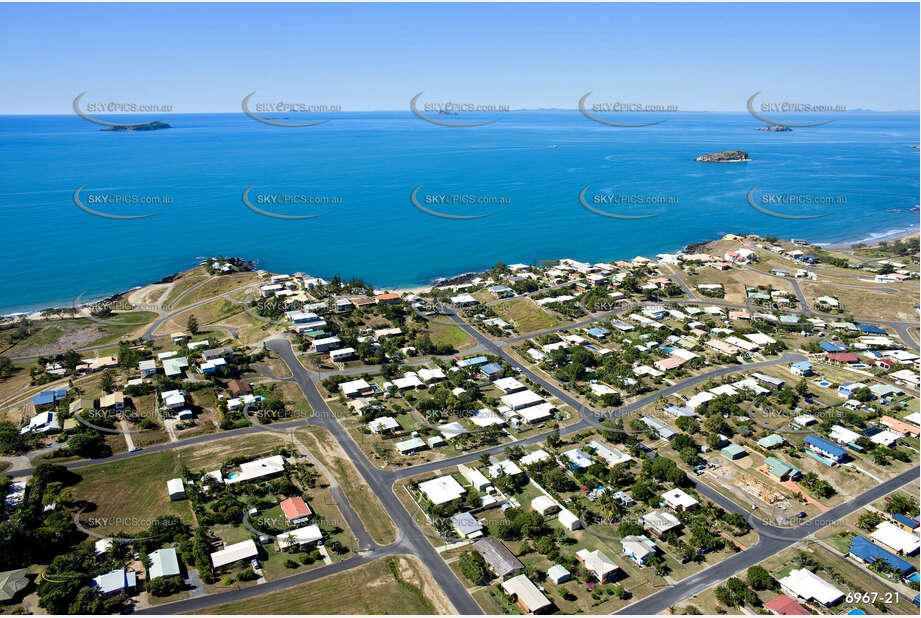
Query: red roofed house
885, 363
669, 363
388, 299
782, 605
841, 357
239, 387
899, 426
296, 510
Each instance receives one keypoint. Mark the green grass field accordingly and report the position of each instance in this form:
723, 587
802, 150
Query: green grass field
130, 493
369, 589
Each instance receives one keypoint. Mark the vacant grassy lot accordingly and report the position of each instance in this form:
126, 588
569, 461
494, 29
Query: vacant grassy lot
525, 315
397, 585
448, 334
58, 336
210, 455
130, 493
868, 301
217, 286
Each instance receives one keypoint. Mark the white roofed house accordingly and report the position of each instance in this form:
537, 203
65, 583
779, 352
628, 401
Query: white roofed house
506, 467
894, 538
638, 547
409, 381
528, 596
521, 399
341, 355
537, 413
804, 584
509, 385
431, 375
238, 552
610, 455
176, 489
258, 469
679, 500
476, 478
305, 535
356, 388
442, 489
660, 522
384, 425
599, 564
545, 505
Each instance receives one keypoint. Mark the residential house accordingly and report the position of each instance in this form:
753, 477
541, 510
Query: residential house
638, 547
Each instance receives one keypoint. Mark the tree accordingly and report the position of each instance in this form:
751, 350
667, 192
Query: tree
164, 586
473, 567
553, 439
107, 381
192, 325
901, 503
759, 578
869, 521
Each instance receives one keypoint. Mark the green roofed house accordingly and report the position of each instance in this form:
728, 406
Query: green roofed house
734, 451
164, 563
174, 366
11, 582
558, 574
80, 405
789, 319
70, 425
772, 441
781, 469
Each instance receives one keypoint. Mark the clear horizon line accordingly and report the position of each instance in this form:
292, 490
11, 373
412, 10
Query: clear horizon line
520, 109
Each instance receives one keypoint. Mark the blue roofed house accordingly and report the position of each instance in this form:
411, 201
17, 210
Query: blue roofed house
828, 346
868, 552
905, 522
849, 389
492, 370
471, 362
597, 332
802, 369
825, 449
47, 399
870, 329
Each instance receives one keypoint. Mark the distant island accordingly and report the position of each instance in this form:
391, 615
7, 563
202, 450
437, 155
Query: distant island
774, 127
724, 157
148, 126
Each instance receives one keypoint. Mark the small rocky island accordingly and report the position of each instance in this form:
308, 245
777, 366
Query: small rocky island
774, 128
147, 126
727, 156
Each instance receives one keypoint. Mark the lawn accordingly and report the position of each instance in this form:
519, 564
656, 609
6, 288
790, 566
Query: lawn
525, 315
397, 585
129, 494
212, 454
448, 334
59, 335
217, 286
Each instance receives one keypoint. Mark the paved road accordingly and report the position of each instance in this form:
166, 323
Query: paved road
772, 540
412, 540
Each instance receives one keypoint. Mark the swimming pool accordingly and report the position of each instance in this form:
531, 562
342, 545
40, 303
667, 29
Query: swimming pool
233, 475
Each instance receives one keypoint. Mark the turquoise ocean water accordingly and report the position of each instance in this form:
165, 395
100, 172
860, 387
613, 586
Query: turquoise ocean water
535, 162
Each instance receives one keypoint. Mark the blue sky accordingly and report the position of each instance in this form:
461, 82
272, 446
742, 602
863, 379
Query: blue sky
206, 57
